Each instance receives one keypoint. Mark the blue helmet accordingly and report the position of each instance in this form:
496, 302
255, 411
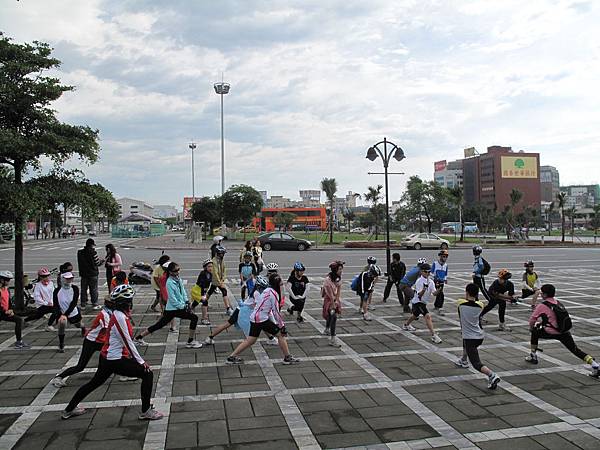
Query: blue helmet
220, 250
299, 266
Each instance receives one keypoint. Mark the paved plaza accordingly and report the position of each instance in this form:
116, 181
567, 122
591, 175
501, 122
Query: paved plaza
384, 388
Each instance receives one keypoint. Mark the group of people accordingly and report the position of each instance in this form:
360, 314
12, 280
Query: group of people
263, 297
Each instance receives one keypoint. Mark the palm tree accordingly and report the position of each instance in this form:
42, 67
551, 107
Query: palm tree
349, 216
515, 197
373, 196
329, 186
570, 213
561, 198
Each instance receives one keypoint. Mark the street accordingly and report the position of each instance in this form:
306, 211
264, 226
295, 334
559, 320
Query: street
384, 388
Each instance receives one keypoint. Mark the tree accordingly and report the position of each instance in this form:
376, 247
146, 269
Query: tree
374, 195
284, 219
561, 199
241, 204
428, 200
349, 216
515, 197
329, 186
596, 219
456, 197
30, 131
207, 210
571, 213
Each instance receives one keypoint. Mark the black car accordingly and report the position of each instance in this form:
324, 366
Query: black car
282, 241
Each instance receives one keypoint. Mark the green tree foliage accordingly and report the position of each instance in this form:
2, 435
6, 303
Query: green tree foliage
29, 131
329, 186
284, 220
207, 210
241, 204
425, 200
596, 219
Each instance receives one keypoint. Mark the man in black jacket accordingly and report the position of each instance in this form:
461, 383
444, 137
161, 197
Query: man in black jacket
397, 272
88, 262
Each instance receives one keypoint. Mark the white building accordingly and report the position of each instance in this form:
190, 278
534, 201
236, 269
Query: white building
448, 174
165, 211
128, 206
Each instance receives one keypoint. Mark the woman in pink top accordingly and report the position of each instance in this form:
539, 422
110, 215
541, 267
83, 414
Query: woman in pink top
332, 302
112, 263
544, 324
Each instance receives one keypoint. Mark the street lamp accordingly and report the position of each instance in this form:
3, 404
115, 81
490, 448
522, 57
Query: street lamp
389, 150
222, 89
192, 147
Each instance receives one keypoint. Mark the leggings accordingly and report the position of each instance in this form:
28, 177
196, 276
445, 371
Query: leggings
156, 299
40, 312
297, 304
388, 289
331, 321
88, 349
564, 338
470, 347
492, 304
125, 367
480, 281
439, 298
18, 321
169, 315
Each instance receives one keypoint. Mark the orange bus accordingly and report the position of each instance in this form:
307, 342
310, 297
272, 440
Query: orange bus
306, 219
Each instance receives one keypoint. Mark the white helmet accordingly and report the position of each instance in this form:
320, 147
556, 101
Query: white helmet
421, 261
272, 266
7, 274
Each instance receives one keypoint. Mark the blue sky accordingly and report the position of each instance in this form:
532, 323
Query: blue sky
314, 83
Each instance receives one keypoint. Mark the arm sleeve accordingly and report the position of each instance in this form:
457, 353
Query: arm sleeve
73, 303
275, 310
121, 323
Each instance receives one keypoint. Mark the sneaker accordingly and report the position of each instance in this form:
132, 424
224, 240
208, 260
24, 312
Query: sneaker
436, 339
229, 311
462, 363
371, 308
441, 312
58, 382
532, 358
290, 311
21, 344
299, 319
151, 414
97, 307
502, 327
408, 328
205, 322
173, 330
61, 349
367, 317
333, 341
272, 342
595, 371
326, 332
384, 300
140, 342
123, 378
209, 341
234, 360
50, 328
68, 414
289, 359
193, 344
493, 381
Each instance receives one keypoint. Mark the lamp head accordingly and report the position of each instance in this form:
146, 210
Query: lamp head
222, 88
372, 154
399, 154
192, 146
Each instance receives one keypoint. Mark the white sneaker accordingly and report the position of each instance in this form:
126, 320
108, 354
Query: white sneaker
97, 307
367, 317
229, 311
462, 363
334, 342
209, 341
58, 382
273, 342
193, 344
139, 342
436, 339
151, 414
371, 308
441, 312
50, 328
326, 332
128, 379
408, 328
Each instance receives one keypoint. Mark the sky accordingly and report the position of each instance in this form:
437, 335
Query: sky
314, 83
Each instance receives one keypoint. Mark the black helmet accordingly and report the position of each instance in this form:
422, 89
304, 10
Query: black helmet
528, 264
477, 250
371, 260
374, 270
425, 266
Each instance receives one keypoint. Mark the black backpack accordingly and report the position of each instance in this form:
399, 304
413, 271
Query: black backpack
563, 320
486, 266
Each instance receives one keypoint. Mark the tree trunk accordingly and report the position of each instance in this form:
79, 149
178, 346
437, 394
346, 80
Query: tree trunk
19, 299
562, 213
462, 224
331, 222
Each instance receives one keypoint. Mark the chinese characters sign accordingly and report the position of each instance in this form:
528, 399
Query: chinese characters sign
519, 167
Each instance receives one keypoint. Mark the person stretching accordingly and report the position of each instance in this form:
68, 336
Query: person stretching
501, 291
43, 295
218, 280
6, 312
65, 308
332, 302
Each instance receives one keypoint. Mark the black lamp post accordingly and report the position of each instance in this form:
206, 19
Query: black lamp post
386, 150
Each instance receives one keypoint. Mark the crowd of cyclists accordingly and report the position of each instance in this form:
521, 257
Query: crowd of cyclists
259, 310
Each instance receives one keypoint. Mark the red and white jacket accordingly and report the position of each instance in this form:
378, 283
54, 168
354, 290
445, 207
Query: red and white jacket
98, 330
267, 308
119, 343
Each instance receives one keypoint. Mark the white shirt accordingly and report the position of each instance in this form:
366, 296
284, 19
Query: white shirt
419, 285
267, 308
65, 297
42, 294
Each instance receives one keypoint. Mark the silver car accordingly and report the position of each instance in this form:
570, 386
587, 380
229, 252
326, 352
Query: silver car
424, 240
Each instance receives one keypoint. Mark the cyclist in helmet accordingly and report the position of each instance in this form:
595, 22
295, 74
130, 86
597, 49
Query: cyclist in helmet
244, 308
366, 285
479, 267
407, 283
501, 291
531, 283
439, 270
371, 260
155, 281
247, 270
397, 272
219, 276
43, 295
6, 312
203, 282
297, 286
118, 356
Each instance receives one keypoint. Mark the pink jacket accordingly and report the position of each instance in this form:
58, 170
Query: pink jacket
543, 309
330, 291
115, 263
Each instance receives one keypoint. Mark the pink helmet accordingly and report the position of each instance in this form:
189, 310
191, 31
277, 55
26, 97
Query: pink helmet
43, 272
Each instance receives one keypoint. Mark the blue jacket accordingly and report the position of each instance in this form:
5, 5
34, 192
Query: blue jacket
411, 276
177, 295
478, 266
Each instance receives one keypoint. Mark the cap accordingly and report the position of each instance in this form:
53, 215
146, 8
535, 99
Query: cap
68, 275
166, 265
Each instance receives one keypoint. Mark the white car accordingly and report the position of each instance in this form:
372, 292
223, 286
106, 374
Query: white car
424, 240
358, 230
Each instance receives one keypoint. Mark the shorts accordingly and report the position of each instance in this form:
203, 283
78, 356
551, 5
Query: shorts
233, 318
266, 326
213, 288
526, 293
75, 319
419, 309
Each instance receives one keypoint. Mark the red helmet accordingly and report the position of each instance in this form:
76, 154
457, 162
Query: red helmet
43, 272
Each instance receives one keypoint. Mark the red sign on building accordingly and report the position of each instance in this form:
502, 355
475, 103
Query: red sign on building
439, 165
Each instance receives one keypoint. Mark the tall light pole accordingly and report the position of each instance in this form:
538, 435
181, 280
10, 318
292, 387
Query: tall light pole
389, 150
192, 148
222, 89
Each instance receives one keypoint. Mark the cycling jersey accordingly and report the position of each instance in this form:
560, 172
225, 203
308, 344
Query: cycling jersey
439, 271
267, 306
97, 332
119, 343
247, 270
429, 285
411, 276
469, 312
177, 294
478, 266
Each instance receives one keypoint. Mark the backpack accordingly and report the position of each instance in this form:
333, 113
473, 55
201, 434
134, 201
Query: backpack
486, 266
354, 283
563, 320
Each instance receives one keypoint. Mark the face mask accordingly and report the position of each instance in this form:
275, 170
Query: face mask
66, 284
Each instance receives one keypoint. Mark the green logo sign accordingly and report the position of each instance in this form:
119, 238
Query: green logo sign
519, 163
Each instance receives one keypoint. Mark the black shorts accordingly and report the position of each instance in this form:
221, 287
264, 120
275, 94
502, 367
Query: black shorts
266, 326
75, 319
233, 318
213, 288
419, 309
526, 293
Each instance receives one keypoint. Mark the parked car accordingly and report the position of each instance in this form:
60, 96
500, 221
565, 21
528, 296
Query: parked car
424, 240
359, 230
282, 241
